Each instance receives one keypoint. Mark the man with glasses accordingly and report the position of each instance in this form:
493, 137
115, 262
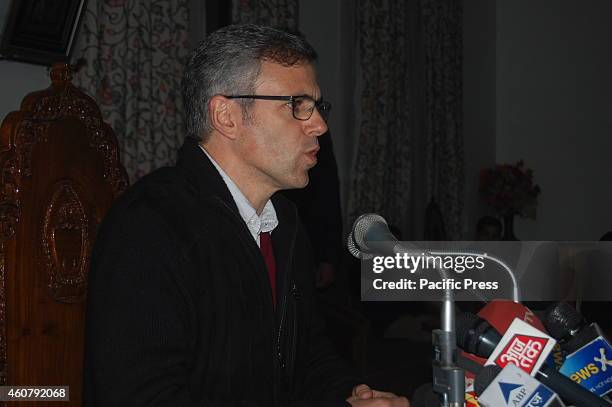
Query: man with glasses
201, 285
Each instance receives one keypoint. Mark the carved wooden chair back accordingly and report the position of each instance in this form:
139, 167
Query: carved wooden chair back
59, 173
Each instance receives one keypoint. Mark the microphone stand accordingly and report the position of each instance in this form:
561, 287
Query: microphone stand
448, 378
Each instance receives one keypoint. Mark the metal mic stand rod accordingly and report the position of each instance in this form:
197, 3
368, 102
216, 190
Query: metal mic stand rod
448, 378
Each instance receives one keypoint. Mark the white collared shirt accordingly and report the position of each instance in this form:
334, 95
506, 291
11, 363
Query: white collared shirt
266, 222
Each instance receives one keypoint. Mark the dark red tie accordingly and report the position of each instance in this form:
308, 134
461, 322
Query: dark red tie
265, 245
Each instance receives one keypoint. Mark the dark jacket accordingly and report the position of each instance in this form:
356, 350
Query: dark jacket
180, 310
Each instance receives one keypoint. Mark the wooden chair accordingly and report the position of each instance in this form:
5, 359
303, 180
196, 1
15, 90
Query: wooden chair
59, 174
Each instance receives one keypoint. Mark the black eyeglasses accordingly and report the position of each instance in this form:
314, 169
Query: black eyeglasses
302, 105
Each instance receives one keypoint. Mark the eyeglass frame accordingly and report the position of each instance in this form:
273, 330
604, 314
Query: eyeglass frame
322, 106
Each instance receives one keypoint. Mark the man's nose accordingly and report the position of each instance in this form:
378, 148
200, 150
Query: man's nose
316, 124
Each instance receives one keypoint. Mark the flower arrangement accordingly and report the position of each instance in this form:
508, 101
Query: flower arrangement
509, 189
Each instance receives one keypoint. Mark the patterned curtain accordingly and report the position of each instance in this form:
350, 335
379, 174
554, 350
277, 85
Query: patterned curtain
276, 13
134, 52
443, 42
410, 147
384, 165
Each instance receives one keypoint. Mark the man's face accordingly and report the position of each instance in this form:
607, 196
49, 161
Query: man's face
276, 147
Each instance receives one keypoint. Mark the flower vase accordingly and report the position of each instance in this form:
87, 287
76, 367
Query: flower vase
509, 228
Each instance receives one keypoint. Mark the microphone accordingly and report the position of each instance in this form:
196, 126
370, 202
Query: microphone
479, 336
475, 335
501, 313
567, 325
528, 355
524, 346
511, 386
589, 354
371, 236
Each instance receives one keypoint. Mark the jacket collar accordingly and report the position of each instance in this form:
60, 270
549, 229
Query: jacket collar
201, 173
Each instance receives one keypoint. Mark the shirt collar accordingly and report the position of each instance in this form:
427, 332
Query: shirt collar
266, 222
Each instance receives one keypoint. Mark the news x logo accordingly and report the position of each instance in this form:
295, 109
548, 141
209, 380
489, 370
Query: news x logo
591, 367
517, 395
523, 351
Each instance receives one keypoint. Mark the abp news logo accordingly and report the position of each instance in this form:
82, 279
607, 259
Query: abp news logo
518, 395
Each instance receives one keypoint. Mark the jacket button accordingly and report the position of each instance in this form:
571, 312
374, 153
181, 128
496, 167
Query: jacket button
295, 292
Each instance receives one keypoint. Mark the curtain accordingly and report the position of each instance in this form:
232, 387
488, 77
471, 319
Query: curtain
384, 167
409, 147
276, 13
134, 52
443, 43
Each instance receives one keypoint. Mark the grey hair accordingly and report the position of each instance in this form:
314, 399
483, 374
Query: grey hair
228, 62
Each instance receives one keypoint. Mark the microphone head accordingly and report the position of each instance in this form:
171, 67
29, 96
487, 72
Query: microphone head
466, 324
562, 321
485, 377
475, 335
356, 240
354, 249
362, 225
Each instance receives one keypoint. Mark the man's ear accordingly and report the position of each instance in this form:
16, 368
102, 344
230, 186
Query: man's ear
224, 116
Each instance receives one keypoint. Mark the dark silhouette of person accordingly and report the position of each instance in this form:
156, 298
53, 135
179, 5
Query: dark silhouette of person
319, 208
